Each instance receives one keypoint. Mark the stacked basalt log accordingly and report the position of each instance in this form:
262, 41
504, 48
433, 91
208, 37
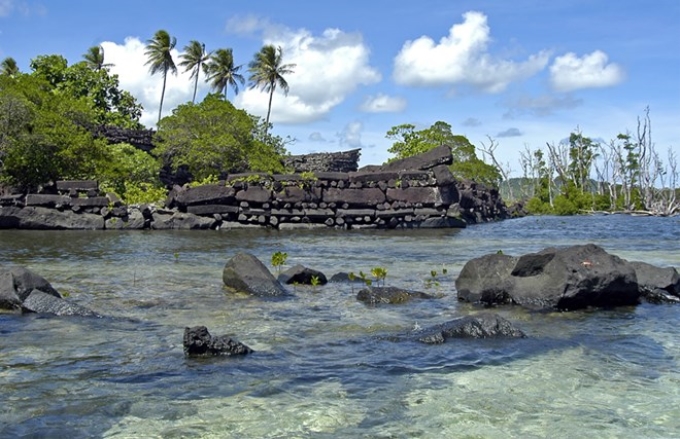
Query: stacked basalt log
140, 139
418, 192
344, 161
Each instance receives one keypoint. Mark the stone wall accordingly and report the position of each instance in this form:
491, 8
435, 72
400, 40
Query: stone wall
345, 161
419, 192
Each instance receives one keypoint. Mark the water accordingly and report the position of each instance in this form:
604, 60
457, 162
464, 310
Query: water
325, 365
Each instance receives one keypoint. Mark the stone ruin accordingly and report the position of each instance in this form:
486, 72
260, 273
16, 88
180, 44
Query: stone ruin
417, 192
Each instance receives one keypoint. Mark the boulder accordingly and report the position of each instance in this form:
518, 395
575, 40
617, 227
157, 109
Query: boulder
566, 279
300, 274
43, 218
485, 325
23, 290
245, 273
389, 295
43, 303
651, 277
199, 343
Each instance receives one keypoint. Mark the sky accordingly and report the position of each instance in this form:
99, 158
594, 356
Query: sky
521, 73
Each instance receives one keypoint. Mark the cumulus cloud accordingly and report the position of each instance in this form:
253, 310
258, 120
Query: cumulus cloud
351, 135
471, 122
569, 72
316, 137
383, 103
510, 132
462, 58
328, 67
543, 105
129, 61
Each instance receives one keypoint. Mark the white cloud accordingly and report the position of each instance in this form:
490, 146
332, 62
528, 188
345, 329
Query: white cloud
543, 105
25, 8
129, 61
569, 72
351, 135
327, 68
383, 103
462, 58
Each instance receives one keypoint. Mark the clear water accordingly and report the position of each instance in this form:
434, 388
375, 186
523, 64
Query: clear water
325, 366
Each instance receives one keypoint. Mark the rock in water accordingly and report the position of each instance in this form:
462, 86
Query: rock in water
568, 278
199, 343
484, 325
245, 273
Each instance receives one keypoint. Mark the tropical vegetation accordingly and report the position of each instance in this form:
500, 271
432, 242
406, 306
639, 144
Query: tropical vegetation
51, 118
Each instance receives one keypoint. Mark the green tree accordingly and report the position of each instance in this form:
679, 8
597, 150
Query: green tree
47, 139
159, 59
195, 58
100, 89
222, 72
9, 67
214, 137
126, 166
266, 72
94, 58
466, 164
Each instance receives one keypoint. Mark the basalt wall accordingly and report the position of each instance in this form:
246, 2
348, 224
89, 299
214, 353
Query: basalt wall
419, 192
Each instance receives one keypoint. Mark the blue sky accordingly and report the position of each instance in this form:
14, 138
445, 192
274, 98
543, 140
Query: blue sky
523, 72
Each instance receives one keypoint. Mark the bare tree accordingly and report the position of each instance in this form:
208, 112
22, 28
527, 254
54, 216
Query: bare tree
504, 170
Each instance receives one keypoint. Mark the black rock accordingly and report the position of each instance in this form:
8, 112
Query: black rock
302, 275
389, 295
199, 343
484, 325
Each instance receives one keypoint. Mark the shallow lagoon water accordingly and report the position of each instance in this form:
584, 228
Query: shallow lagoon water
326, 366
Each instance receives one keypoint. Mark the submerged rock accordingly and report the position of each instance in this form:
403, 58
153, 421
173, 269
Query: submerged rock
246, 274
22, 290
485, 325
389, 295
199, 343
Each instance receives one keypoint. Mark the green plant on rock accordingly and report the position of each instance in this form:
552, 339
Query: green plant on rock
210, 179
278, 259
365, 279
379, 273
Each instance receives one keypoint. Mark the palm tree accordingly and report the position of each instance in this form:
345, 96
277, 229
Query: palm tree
194, 58
158, 51
94, 58
222, 72
266, 72
9, 67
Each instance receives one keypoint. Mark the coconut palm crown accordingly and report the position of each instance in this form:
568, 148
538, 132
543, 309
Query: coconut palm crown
195, 58
159, 59
266, 72
94, 58
9, 67
222, 72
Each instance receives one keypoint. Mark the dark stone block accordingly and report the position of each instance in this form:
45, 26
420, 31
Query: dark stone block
254, 194
422, 195
206, 194
90, 202
354, 197
434, 157
211, 209
45, 200
77, 185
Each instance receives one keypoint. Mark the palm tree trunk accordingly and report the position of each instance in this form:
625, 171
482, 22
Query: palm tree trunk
198, 72
226, 88
160, 109
269, 111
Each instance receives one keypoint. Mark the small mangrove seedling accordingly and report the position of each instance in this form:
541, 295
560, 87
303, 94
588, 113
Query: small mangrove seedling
432, 282
176, 255
352, 277
315, 281
379, 273
366, 280
278, 259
